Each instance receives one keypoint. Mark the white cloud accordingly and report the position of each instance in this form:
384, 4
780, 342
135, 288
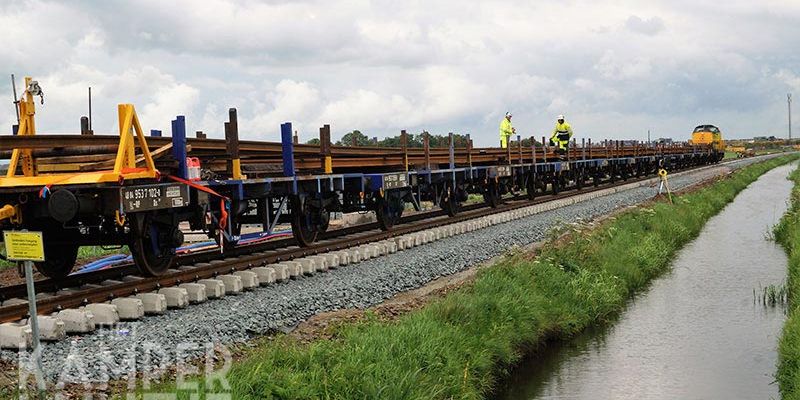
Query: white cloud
791, 79
649, 26
382, 66
368, 110
157, 96
169, 101
621, 67
92, 40
289, 101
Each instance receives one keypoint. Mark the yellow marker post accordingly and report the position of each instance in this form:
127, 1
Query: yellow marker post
664, 184
27, 247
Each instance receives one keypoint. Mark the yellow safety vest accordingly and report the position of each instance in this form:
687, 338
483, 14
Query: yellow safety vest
562, 132
506, 130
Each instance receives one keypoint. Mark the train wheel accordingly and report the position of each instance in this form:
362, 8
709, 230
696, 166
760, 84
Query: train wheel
389, 210
450, 203
58, 261
153, 243
556, 183
324, 221
491, 194
579, 178
542, 185
530, 187
305, 221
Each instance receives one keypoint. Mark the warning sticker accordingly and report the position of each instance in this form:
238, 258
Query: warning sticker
24, 246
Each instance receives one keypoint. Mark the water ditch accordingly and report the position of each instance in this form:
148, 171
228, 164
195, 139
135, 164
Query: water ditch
700, 331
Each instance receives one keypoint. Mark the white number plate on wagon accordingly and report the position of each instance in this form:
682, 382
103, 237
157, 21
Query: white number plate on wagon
153, 197
395, 181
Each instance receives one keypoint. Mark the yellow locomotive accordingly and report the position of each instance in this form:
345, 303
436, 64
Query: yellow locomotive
709, 135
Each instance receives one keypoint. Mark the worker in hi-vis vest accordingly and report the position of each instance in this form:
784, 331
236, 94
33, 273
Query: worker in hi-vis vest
506, 130
562, 134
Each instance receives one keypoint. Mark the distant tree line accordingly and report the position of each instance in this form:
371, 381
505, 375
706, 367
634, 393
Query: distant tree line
414, 140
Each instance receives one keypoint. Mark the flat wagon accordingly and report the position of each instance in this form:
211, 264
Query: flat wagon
135, 190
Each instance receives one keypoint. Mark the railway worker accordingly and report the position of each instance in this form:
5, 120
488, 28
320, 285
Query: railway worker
506, 130
562, 134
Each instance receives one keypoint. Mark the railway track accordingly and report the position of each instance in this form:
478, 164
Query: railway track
121, 281
122, 270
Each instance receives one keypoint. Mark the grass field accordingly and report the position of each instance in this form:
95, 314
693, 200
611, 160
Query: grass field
787, 233
732, 154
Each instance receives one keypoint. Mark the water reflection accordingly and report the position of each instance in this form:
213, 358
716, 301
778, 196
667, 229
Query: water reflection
696, 333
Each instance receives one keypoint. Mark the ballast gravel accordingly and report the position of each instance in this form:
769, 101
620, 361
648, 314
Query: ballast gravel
158, 342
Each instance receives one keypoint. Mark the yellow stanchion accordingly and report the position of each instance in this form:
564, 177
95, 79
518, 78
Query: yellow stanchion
664, 184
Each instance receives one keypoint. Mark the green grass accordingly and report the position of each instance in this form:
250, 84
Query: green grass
787, 233
733, 154
459, 346
474, 198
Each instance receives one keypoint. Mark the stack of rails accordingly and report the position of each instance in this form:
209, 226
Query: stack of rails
80, 153
129, 189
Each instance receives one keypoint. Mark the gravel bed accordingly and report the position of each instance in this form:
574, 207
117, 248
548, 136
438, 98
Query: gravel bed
161, 340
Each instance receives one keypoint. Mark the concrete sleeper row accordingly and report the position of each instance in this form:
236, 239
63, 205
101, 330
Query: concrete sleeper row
86, 319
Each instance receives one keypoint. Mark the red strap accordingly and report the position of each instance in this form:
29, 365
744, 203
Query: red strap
198, 187
223, 216
223, 220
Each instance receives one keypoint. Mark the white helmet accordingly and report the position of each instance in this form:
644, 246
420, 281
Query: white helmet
508, 114
560, 117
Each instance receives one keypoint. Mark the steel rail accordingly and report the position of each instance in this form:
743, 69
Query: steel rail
201, 270
122, 270
67, 143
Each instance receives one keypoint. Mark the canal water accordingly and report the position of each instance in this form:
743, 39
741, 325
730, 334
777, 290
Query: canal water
697, 332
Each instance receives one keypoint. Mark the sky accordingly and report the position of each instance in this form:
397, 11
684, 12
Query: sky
615, 69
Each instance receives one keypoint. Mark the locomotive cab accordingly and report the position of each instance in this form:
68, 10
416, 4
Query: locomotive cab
709, 135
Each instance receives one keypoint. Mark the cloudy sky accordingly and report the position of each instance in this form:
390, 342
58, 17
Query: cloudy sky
615, 68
